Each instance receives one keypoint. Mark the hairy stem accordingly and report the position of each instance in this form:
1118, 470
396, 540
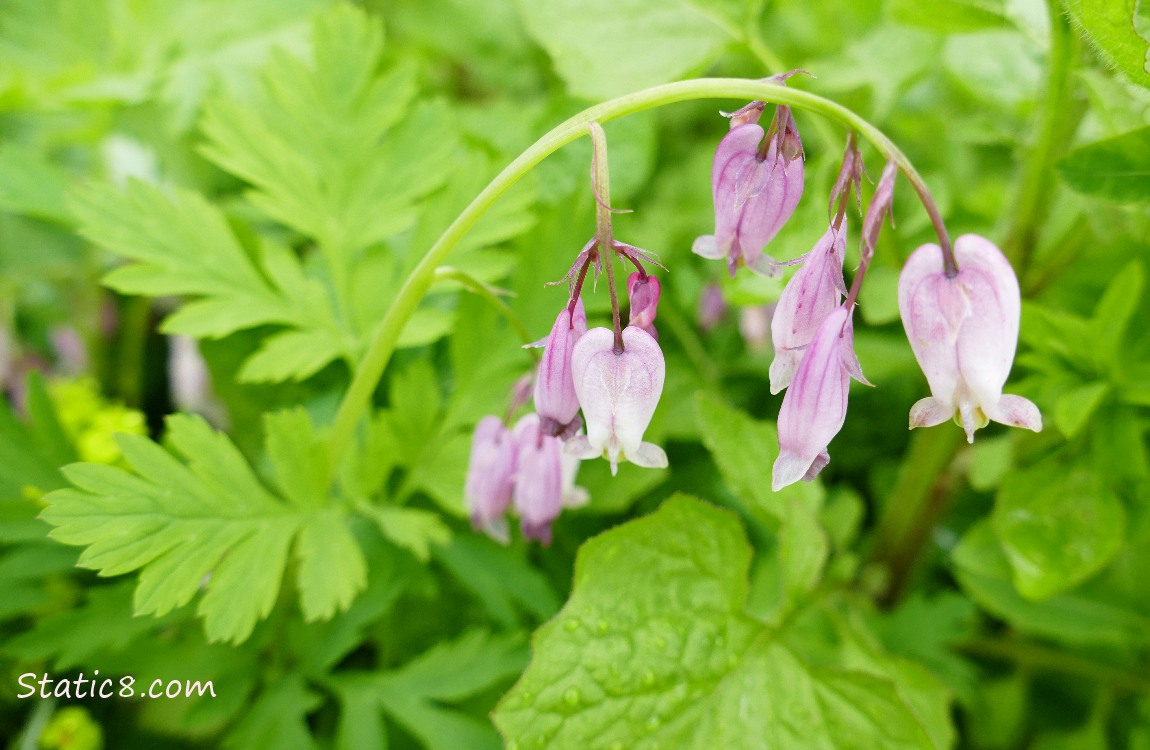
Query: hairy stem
357, 398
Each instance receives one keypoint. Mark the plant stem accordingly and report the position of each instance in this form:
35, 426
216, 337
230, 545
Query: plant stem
489, 295
1056, 120
916, 504
1040, 656
357, 398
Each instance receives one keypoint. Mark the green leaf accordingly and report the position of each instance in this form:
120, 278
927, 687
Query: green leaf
654, 649
298, 455
413, 695
605, 48
1079, 616
75, 636
745, 449
1116, 169
1111, 27
1113, 313
499, 577
292, 355
332, 569
1075, 407
322, 141
1057, 529
278, 719
950, 16
32, 185
411, 528
204, 522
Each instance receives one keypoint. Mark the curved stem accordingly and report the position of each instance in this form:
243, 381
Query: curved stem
490, 295
383, 342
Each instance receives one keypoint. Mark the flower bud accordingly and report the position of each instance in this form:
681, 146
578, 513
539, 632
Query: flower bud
815, 405
490, 477
964, 331
755, 191
554, 388
643, 291
619, 393
810, 296
539, 485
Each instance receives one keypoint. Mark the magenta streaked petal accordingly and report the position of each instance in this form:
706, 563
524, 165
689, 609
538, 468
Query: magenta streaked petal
809, 297
643, 293
490, 476
554, 388
815, 405
538, 493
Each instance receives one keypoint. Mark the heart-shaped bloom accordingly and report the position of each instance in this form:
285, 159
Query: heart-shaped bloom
619, 393
755, 192
555, 397
490, 477
643, 291
964, 331
809, 297
815, 405
539, 485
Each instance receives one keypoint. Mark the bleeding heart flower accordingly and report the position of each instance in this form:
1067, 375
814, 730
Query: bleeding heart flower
643, 291
490, 477
964, 331
619, 392
810, 296
815, 405
555, 397
756, 188
539, 485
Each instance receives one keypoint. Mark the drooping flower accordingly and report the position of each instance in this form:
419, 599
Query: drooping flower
555, 397
643, 291
964, 331
712, 307
756, 186
815, 405
490, 477
810, 296
618, 392
539, 486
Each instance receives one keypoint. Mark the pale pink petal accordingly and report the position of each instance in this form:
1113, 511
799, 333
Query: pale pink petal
1016, 411
929, 412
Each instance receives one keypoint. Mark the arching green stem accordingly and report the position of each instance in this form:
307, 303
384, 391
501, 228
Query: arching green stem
490, 295
357, 398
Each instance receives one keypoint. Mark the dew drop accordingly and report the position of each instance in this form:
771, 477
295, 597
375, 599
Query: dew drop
648, 678
573, 624
653, 723
602, 625
660, 642
572, 696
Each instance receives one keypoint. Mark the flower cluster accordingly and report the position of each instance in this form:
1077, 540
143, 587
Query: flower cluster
613, 375
960, 308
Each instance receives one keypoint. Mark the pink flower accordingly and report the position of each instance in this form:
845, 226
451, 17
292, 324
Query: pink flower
619, 393
755, 191
810, 296
539, 478
712, 307
490, 477
815, 405
643, 291
964, 331
555, 397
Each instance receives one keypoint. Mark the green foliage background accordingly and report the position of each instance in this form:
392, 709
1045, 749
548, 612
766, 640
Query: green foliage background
262, 176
